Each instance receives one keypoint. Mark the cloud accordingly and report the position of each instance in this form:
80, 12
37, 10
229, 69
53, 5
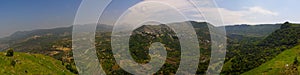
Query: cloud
260, 10
250, 15
229, 17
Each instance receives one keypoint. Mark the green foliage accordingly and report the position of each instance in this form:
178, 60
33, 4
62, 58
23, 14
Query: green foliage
10, 52
247, 56
140, 42
248, 48
13, 63
72, 68
285, 63
296, 62
31, 64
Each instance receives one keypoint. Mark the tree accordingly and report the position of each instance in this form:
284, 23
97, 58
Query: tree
13, 63
287, 22
72, 68
296, 62
10, 52
285, 25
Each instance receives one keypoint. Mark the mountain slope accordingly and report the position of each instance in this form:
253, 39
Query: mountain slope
144, 36
281, 64
253, 47
44, 41
32, 64
249, 56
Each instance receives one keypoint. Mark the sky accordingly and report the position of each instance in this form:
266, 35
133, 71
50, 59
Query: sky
23, 15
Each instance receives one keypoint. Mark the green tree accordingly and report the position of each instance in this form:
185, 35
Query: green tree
13, 63
10, 52
72, 68
296, 62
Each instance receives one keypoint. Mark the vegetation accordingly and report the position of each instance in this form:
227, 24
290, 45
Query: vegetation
10, 52
262, 30
247, 56
32, 64
285, 63
250, 50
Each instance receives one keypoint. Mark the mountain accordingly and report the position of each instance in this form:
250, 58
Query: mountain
261, 30
144, 36
249, 46
51, 42
247, 56
41, 40
31, 64
19, 36
286, 62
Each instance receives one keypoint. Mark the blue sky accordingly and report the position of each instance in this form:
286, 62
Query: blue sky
287, 10
20, 15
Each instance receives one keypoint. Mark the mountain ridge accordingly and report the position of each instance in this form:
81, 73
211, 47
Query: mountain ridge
58, 45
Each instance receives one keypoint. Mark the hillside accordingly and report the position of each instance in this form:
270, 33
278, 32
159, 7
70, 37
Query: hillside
248, 46
246, 56
31, 64
286, 62
141, 40
57, 44
24, 41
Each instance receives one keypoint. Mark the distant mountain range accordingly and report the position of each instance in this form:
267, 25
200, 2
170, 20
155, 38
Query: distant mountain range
236, 31
261, 30
52, 34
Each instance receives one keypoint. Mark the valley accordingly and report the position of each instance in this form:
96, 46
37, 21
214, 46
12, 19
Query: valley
251, 49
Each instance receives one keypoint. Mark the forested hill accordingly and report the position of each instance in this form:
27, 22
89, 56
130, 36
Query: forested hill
245, 57
287, 62
261, 30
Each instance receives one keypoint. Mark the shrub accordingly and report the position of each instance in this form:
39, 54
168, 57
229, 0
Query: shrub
71, 68
10, 52
13, 63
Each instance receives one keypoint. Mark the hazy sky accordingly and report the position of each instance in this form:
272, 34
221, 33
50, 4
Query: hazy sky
20, 15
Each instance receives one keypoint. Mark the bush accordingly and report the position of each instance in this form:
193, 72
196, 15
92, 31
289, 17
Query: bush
10, 52
71, 68
13, 63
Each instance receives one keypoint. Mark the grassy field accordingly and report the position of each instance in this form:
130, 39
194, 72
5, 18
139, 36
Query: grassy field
32, 64
281, 64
